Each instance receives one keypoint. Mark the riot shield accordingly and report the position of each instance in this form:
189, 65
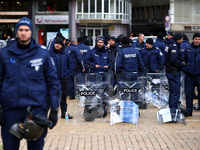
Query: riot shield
130, 88
130, 97
167, 115
92, 94
157, 89
123, 111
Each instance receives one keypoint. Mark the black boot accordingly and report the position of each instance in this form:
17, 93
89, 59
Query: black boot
63, 113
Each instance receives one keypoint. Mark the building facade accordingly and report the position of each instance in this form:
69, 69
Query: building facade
10, 12
75, 18
50, 17
102, 17
185, 16
149, 16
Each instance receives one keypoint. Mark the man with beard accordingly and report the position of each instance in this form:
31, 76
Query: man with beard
64, 65
98, 62
97, 58
27, 76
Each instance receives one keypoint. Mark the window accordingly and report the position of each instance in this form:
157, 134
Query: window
106, 6
99, 6
85, 4
79, 6
10, 5
104, 9
52, 6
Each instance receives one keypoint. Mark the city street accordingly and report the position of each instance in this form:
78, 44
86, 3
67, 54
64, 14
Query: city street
100, 135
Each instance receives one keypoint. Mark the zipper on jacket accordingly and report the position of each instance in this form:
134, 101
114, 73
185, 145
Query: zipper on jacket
195, 55
60, 65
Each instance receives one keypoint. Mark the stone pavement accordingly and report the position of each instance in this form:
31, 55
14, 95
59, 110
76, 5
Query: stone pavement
100, 135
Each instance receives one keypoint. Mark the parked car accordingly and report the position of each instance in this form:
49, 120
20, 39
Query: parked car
3, 43
146, 37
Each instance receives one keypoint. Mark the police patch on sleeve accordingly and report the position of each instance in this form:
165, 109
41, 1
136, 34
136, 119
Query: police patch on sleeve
43, 47
166, 49
173, 51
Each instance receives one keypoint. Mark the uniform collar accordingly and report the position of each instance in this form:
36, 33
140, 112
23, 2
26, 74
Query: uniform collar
19, 49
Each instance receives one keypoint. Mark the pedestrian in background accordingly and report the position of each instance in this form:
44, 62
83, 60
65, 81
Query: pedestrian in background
8, 40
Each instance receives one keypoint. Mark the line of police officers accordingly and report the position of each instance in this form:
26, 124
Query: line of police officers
141, 57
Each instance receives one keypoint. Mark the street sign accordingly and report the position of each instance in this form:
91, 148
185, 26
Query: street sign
167, 18
167, 24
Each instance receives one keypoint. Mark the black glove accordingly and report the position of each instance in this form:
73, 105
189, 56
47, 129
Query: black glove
1, 116
53, 117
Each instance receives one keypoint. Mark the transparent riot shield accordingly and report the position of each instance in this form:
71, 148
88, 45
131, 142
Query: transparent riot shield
182, 100
130, 88
130, 97
166, 115
157, 89
92, 94
123, 111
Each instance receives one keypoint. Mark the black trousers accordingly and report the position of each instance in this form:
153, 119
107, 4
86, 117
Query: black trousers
64, 88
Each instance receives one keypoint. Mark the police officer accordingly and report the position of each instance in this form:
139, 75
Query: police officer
168, 40
51, 43
98, 62
192, 72
153, 58
64, 67
27, 76
97, 58
129, 60
159, 43
139, 44
78, 64
174, 63
83, 49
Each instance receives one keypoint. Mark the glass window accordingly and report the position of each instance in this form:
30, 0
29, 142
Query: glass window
79, 5
10, 5
158, 12
120, 6
85, 4
112, 9
112, 6
92, 6
106, 6
53, 5
117, 6
99, 5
